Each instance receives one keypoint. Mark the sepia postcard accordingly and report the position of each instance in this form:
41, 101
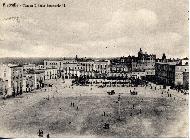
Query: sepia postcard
94, 69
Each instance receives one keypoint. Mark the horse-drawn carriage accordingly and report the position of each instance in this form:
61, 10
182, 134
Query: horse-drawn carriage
112, 92
133, 92
50, 85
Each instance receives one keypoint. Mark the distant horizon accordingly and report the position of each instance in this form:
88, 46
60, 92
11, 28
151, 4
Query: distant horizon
85, 57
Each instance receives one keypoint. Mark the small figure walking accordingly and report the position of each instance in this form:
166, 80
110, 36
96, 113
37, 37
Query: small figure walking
48, 135
119, 97
40, 133
133, 106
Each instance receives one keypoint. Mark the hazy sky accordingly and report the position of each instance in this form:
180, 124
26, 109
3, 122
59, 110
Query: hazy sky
95, 28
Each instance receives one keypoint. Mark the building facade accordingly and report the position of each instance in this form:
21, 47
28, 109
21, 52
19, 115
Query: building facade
50, 73
28, 82
165, 73
179, 72
13, 76
120, 68
186, 80
143, 62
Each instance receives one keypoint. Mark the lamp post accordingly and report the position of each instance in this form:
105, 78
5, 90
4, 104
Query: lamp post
119, 108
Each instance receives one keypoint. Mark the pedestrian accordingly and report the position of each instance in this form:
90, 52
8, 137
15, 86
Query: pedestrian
48, 135
39, 132
119, 98
42, 133
77, 108
131, 114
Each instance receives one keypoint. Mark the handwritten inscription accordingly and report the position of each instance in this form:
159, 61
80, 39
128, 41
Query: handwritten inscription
35, 5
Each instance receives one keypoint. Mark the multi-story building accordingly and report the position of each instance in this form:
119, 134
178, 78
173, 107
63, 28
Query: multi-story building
3, 85
50, 73
52, 64
28, 82
143, 62
86, 67
70, 68
101, 68
143, 65
120, 68
33, 79
165, 73
179, 72
94, 68
13, 75
171, 73
39, 78
67, 68
186, 80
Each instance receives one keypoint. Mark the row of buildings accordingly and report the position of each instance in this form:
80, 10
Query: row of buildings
15, 79
70, 68
159, 70
123, 67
